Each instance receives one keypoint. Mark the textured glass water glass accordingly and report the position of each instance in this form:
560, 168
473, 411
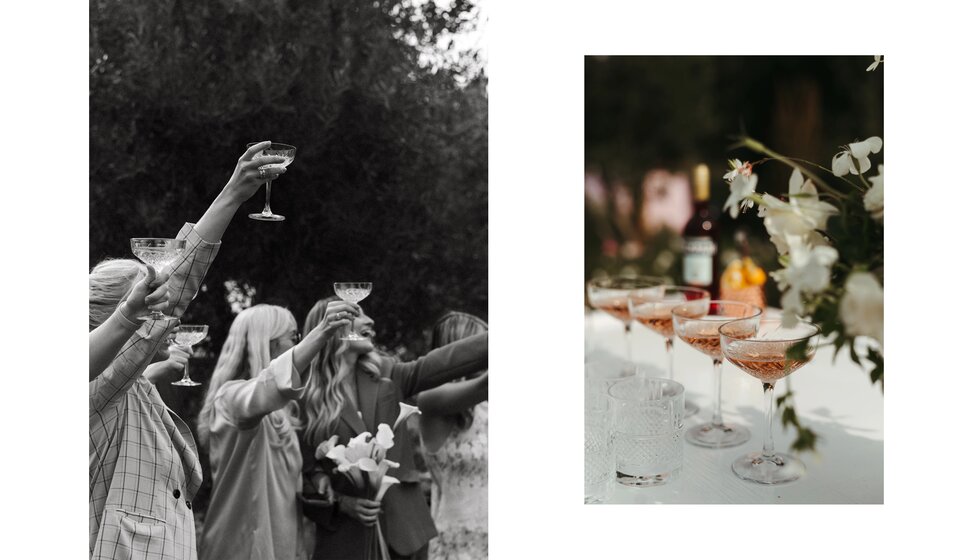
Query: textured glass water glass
647, 430
599, 376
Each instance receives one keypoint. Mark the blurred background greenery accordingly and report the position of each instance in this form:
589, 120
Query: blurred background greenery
650, 120
389, 185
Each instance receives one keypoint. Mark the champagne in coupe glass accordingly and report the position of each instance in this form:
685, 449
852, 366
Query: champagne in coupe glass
766, 350
697, 324
158, 253
188, 335
352, 292
612, 296
283, 150
653, 309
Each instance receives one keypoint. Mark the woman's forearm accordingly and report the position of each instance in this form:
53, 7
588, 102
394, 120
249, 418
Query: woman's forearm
216, 218
307, 349
106, 340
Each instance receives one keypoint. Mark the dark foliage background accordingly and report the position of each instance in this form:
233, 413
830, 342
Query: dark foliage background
646, 112
390, 178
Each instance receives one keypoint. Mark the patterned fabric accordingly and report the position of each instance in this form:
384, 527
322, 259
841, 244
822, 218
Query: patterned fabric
256, 466
143, 463
459, 492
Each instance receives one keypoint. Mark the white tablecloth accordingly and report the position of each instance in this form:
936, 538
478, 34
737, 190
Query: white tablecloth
836, 400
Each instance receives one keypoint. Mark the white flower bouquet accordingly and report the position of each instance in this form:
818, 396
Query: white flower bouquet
363, 462
829, 232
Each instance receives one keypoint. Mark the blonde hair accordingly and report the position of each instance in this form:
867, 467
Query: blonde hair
109, 283
244, 354
451, 327
323, 399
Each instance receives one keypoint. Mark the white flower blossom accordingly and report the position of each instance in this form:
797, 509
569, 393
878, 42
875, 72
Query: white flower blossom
857, 152
808, 272
862, 309
874, 64
737, 168
801, 216
874, 199
741, 187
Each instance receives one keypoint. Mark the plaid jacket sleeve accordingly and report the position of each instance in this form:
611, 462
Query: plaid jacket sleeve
186, 276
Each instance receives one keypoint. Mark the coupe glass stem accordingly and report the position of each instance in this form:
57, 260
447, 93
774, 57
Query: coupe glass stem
268, 195
767, 445
716, 417
187, 373
669, 344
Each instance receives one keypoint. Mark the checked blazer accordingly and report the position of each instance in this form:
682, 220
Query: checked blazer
405, 519
143, 463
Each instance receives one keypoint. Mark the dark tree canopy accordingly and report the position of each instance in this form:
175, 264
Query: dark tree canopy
390, 178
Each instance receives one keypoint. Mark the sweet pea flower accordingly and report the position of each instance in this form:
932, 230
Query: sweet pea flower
856, 152
874, 64
742, 187
874, 199
862, 309
801, 216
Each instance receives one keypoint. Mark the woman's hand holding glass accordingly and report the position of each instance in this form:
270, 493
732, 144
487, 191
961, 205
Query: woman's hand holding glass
339, 314
172, 367
150, 293
247, 177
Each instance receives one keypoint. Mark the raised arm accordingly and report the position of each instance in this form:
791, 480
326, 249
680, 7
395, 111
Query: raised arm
460, 358
453, 398
246, 402
108, 338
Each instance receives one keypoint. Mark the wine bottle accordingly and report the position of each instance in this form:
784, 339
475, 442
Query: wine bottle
701, 238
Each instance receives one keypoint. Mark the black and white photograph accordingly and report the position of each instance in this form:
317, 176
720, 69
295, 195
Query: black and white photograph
288, 280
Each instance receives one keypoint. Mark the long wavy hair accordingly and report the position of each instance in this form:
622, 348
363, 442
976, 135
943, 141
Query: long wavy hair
453, 326
108, 283
244, 354
323, 399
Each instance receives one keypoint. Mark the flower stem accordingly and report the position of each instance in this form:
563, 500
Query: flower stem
757, 146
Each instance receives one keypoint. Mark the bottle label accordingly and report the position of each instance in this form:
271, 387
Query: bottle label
698, 258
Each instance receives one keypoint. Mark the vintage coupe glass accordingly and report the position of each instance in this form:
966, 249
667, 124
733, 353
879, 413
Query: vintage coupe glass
352, 292
768, 351
612, 296
188, 335
653, 310
697, 324
159, 253
283, 150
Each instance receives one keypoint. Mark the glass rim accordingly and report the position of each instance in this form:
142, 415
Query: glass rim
674, 313
272, 146
189, 327
156, 240
335, 284
813, 326
677, 390
676, 289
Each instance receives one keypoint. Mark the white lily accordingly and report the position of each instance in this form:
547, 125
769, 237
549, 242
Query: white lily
862, 309
404, 411
874, 199
325, 447
856, 152
742, 186
386, 483
874, 64
801, 216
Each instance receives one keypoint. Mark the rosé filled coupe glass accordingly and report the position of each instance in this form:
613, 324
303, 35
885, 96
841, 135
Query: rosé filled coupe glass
611, 295
652, 309
768, 351
697, 323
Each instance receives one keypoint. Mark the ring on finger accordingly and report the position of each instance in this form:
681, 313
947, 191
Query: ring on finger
262, 173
